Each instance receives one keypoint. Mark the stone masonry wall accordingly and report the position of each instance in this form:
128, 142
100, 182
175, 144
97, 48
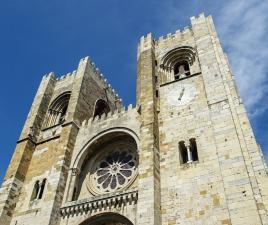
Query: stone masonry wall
221, 188
47, 153
228, 184
91, 131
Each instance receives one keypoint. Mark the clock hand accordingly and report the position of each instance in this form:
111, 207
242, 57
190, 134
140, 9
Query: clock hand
181, 94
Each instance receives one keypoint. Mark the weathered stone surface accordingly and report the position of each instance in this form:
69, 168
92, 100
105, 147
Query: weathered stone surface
176, 116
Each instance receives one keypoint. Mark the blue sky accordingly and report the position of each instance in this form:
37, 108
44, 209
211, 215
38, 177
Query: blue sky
37, 37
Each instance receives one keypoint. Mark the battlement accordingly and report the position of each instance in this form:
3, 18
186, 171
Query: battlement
50, 75
177, 35
200, 16
147, 41
110, 116
99, 77
68, 76
95, 72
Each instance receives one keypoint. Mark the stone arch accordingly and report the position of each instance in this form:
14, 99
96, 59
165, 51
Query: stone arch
82, 153
107, 219
57, 110
101, 107
183, 53
92, 152
178, 63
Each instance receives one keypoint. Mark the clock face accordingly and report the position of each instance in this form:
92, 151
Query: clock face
182, 94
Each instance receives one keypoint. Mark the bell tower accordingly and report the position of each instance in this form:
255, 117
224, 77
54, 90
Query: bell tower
33, 188
185, 154
211, 168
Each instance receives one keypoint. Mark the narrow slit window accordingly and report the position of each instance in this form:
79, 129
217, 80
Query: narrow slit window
183, 152
193, 149
42, 189
35, 192
156, 79
74, 194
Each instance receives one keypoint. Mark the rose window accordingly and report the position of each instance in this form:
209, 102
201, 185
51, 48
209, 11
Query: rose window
114, 170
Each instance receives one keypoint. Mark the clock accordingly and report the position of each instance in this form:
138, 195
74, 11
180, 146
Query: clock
181, 94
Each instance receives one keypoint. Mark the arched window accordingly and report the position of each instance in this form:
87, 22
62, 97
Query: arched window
109, 165
74, 196
177, 63
57, 110
188, 153
181, 69
101, 107
183, 152
38, 190
42, 187
35, 190
193, 149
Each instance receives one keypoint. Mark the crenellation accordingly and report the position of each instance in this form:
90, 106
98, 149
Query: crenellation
174, 37
177, 31
192, 17
110, 115
130, 107
101, 78
185, 154
146, 42
69, 77
50, 75
85, 59
200, 16
161, 38
186, 30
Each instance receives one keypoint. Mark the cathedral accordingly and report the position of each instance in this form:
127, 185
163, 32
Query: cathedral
184, 155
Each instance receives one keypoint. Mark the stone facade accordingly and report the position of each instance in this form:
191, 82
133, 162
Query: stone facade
186, 154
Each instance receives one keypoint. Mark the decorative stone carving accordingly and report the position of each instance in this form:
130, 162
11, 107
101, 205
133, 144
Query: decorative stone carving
75, 171
113, 168
94, 203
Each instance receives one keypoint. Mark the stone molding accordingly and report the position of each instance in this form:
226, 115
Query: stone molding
98, 203
187, 77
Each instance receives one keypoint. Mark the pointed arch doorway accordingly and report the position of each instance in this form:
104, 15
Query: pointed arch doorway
107, 219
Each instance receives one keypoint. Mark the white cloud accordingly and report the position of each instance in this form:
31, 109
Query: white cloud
243, 28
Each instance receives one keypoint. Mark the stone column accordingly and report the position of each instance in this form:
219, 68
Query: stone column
189, 154
72, 177
148, 210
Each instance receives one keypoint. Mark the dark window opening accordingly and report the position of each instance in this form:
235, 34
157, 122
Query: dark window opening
42, 189
155, 79
38, 190
156, 93
57, 110
101, 107
35, 191
74, 194
193, 149
63, 114
181, 70
183, 152
188, 153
